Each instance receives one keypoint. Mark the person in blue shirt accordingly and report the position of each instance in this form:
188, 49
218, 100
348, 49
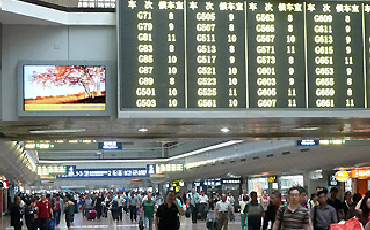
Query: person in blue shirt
126, 198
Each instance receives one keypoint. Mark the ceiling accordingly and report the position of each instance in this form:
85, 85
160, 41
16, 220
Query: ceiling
297, 161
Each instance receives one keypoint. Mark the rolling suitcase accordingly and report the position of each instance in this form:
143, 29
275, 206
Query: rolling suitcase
51, 224
211, 224
188, 213
91, 215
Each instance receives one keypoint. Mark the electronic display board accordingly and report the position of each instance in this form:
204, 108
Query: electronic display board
53, 88
237, 54
335, 55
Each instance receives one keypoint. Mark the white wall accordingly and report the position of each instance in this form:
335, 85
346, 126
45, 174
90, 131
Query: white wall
49, 43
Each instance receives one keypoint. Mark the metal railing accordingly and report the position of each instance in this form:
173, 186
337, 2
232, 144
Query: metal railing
76, 5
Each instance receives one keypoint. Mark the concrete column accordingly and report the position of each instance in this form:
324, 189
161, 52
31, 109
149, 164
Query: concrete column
5, 201
1, 202
311, 184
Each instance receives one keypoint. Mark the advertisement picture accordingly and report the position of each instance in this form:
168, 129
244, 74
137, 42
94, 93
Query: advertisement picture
64, 87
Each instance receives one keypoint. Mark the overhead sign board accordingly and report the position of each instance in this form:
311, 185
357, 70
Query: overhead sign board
110, 145
151, 169
360, 173
308, 142
342, 176
333, 180
106, 173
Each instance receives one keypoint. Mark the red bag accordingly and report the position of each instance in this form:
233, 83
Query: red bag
336, 227
352, 224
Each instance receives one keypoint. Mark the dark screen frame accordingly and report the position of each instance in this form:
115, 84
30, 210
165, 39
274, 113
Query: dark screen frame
108, 88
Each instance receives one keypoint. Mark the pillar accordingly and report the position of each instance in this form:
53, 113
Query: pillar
1, 201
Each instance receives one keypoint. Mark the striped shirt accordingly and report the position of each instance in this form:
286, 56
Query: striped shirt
292, 220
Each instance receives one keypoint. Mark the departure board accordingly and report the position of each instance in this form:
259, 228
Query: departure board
243, 54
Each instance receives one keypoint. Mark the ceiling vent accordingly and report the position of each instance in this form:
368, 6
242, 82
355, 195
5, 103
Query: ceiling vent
269, 155
305, 150
243, 160
285, 153
256, 158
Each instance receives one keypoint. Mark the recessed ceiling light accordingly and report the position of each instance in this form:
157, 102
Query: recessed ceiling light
58, 131
307, 128
225, 130
143, 130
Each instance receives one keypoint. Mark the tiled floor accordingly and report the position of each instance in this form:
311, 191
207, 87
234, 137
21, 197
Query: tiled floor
82, 223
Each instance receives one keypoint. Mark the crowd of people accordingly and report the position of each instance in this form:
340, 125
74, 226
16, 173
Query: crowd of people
269, 211
38, 211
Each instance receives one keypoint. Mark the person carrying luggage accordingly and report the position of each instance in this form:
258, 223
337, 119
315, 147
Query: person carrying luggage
88, 205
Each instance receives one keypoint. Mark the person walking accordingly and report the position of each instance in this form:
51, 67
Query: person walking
100, 204
119, 201
255, 212
15, 214
335, 202
58, 207
223, 208
203, 205
30, 215
147, 212
265, 200
272, 209
167, 217
68, 208
88, 205
365, 210
44, 210
324, 215
313, 202
132, 206
243, 203
231, 199
293, 216
347, 203
193, 198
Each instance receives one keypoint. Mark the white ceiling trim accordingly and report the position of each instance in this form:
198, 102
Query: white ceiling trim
53, 16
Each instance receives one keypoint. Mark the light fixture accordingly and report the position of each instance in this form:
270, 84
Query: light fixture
143, 130
225, 130
58, 131
307, 128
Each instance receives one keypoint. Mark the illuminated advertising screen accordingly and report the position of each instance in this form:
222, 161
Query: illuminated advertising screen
64, 88
235, 54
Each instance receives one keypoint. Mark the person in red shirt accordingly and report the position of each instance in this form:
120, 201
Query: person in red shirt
58, 207
44, 211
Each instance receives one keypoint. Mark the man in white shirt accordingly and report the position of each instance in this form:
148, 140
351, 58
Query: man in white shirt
231, 199
203, 205
120, 205
222, 209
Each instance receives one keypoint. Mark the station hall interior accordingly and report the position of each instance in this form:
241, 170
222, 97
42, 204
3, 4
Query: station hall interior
108, 102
